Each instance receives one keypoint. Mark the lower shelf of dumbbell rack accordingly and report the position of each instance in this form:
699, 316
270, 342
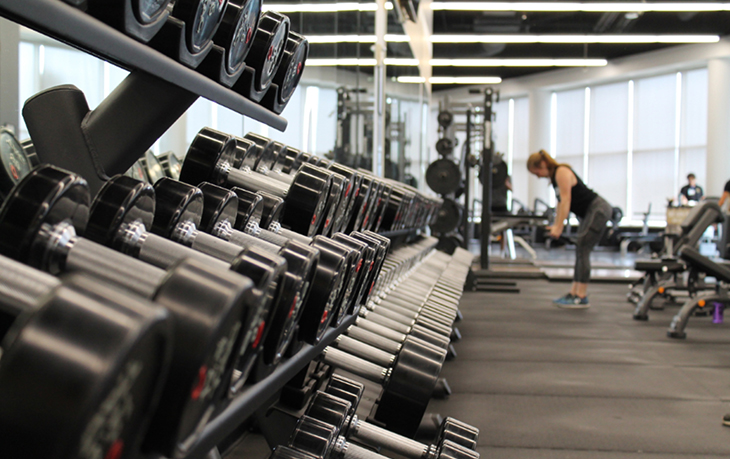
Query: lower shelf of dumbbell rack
244, 405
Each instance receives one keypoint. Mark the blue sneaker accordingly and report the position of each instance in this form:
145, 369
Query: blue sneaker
571, 301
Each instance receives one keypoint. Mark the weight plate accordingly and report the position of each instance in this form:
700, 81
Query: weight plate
236, 31
219, 205
121, 201
43, 198
154, 169
448, 217
443, 176
175, 203
250, 208
266, 52
202, 20
445, 118
15, 162
445, 146
292, 66
147, 11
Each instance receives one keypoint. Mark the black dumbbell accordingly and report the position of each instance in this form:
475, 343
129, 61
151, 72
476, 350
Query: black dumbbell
267, 49
123, 211
212, 157
352, 255
259, 154
38, 225
408, 383
236, 31
202, 19
302, 266
331, 273
141, 19
80, 344
330, 410
273, 159
289, 73
323, 440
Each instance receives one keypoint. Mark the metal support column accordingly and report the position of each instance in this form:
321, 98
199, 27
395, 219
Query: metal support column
487, 152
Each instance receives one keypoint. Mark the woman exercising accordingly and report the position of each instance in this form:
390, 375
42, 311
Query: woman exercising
591, 209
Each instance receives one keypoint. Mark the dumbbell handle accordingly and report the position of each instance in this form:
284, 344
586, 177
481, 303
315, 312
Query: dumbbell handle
376, 436
21, 286
367, 352
349, 451
248, 179
275, 227
337, 358
162, 252
116, 268
374, 339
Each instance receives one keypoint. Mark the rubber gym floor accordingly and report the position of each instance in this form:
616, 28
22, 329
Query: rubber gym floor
545, 383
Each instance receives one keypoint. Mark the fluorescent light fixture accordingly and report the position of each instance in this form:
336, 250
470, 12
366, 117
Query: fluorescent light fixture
514, 38
518, 62
391, 38
451, 80
340, 62
322, 7
598, 7
352, 62
413, 79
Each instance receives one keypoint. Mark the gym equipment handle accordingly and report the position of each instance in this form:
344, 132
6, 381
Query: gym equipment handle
356, 365
365, 351
114, 267
374, 339
376, 436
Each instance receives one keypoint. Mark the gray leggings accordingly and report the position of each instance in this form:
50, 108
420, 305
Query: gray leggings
590, 231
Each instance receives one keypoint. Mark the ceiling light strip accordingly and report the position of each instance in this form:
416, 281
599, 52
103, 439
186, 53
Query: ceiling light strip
322, 7
597, 7
578, 39
451, 80
314, 62
519, 62
403, 62
323, 39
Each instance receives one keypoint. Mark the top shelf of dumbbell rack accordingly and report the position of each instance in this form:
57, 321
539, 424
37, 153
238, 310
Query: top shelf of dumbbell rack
245, 404
76, 28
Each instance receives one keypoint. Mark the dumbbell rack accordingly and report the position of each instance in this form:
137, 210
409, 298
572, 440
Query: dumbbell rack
149, 67
170, 88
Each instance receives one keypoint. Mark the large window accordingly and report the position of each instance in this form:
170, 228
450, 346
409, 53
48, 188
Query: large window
635, 141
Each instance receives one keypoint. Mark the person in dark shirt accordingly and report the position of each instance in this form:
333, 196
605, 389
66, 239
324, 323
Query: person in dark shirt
591, 209
725, 194
691, 193
501, 183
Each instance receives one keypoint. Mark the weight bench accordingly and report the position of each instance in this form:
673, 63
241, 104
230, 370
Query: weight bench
662, 274
703, 264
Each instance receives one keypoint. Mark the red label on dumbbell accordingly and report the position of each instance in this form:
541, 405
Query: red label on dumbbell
271, 53
314, 219
359, 265
299, 68
115, 450
347, 191
198, 389
293, 306
14, 171
249, 34
324, 317
259, 333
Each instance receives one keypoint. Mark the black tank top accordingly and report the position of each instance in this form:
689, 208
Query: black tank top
580, 195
